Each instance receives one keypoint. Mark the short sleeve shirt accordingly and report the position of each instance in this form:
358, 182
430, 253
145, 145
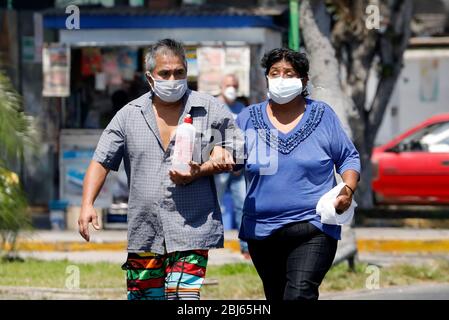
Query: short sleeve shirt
164, 217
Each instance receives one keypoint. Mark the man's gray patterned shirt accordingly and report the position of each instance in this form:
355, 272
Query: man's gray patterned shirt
164, 217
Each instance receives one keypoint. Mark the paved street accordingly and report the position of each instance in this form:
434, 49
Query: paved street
109, 246
434, 291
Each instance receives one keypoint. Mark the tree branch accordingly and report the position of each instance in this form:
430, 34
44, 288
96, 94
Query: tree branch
392, 46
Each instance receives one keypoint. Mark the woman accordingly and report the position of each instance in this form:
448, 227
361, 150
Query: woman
291, 249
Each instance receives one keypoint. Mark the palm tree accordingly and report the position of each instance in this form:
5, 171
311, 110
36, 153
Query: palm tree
16, 132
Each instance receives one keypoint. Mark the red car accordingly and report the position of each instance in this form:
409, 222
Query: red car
414, 167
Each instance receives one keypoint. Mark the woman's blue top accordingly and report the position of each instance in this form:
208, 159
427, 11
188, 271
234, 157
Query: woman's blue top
287, 174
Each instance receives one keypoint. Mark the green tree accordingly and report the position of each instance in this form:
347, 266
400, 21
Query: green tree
16, 133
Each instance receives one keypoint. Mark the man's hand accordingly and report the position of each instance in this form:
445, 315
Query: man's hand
343, 201
185, 178
93, 181
221, 159
87, 215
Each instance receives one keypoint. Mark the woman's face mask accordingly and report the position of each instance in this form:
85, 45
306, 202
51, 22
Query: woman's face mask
169, 90
283, 90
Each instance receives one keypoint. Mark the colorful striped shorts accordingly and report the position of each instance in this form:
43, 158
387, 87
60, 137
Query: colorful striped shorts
173, 276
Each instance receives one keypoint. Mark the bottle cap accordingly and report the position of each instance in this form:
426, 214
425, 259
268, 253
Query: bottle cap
188, 119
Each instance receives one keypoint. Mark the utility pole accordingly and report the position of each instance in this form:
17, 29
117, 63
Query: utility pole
293, 33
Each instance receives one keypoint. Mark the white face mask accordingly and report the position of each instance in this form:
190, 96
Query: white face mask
169, 90
230, 94
283, 90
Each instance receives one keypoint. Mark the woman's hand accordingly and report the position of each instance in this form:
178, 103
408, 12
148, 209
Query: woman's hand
343, 200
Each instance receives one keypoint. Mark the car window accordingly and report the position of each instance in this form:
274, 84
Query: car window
438, 139
433, 138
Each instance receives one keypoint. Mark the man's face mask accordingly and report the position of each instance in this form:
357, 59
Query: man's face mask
230, 93
283, 90
168, 90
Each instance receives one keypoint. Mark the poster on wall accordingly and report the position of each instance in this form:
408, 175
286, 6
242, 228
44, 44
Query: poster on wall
238, 63
111, 67
77, 149
74, 166
90, 61
192, 62
56, 70
100, 81
211, 61
429, 80
216, 62
127, 62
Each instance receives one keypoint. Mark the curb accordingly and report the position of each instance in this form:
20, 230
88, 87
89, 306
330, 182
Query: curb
403, 246
64, 246
363, 245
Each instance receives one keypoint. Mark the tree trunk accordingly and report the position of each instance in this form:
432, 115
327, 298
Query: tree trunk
324, 67
324, 74
348, 45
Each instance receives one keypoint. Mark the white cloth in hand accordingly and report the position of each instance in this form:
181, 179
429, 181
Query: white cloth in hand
326, 208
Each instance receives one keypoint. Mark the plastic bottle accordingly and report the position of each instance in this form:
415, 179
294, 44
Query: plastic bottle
184, 142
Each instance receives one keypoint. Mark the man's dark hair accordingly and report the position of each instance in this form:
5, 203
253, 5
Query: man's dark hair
164, 46
298, 60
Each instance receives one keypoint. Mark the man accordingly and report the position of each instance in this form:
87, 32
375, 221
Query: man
173, 218
232, 181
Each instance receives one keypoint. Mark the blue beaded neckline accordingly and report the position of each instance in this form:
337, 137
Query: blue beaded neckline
287, 145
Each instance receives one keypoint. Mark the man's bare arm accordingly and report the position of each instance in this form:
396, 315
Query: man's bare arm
93, 181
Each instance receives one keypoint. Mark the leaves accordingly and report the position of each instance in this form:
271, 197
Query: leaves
16, 129
16, 132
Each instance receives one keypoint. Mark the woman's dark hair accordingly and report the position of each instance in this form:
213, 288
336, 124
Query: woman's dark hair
298, 60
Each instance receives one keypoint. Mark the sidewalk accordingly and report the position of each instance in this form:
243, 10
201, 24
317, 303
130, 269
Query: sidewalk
216, 256
104, 245
110, 245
